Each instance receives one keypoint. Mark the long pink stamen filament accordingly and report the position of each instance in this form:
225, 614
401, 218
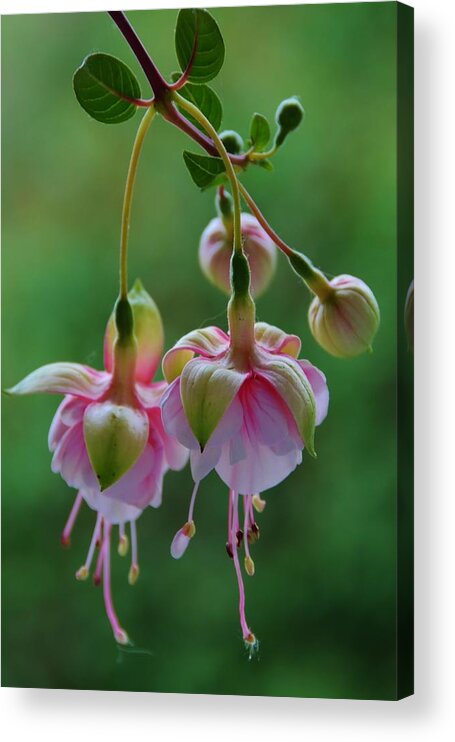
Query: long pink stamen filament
134, 555
246, 523
99, 563
247, 633
119, 633
92, 547
121, 530
65, 538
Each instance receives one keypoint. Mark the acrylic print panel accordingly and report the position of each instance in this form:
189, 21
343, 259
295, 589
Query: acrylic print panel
307, 124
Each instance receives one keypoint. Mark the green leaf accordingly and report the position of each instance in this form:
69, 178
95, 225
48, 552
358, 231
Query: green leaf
196, 28
204, 170
205, 99
265, 164
104, 87
259, 132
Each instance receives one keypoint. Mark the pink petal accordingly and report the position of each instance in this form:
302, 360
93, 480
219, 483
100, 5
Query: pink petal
150, 394
176, 455
64, 378
174, 418
261, 468
267, 418
72, 462
130, 489
113, 510
208, 342
319, 387
274, 340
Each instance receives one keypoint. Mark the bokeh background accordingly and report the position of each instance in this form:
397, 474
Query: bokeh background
324, 596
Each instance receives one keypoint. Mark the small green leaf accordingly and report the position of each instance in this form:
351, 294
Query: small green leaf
265, 164
259, 132
205, 99
196, 28
105, 87
204, 170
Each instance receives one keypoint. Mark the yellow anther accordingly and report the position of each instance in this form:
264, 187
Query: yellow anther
123, 546
249, 566
258, 503
133, 574
82, 573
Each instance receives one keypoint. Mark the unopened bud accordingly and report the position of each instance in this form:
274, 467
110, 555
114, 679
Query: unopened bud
346, 321
249, 566
288, 117
258, 503
82, 573
232, 141
215, 250
133, 574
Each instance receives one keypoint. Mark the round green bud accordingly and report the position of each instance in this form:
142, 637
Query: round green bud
232, 141
288, 117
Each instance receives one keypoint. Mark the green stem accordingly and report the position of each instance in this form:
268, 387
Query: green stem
230, 172
314, 278
128, 197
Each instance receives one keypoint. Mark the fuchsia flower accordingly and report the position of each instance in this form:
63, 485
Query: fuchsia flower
215, 250
107, 438
247, 412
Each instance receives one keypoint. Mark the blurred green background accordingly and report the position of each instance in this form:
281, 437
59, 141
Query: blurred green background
323, 598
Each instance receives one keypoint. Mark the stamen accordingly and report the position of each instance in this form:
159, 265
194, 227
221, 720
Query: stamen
248, 635
65, 537
248, 562
84, 571
258, 503
120, 634
134, 569
184, 535
99, 563
123, 543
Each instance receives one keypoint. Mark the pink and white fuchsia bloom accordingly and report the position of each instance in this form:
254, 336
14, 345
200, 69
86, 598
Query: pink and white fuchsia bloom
108, 440
246, 414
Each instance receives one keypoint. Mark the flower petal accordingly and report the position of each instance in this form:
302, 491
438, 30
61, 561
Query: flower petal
319, 386
174, 418
275, 340
113, 511
208, 342
259, 470
64, 378
207, 389
292, 385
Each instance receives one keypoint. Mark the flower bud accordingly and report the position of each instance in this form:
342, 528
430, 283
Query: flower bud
148, 330
288, 117
215, 250
232, 141
345, 322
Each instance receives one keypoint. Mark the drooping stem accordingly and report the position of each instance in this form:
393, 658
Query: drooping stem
314, 278
230, 172
127, 199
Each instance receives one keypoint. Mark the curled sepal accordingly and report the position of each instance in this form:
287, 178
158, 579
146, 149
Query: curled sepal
208, 342
63, 378
275, 340
207, 389
115, 436
148, 330
292, 385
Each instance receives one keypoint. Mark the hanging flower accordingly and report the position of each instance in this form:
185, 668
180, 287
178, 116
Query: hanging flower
107, 437
246, 410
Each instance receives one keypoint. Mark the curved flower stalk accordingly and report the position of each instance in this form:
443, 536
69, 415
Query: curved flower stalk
108, 441
248, 415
